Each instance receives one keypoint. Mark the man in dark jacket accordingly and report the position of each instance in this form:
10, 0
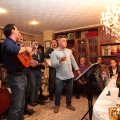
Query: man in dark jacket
16, 76
52, 72
35, 75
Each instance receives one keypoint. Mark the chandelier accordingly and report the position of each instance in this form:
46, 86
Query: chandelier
111, 20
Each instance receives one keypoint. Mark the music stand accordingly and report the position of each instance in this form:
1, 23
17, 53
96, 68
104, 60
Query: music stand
88, 75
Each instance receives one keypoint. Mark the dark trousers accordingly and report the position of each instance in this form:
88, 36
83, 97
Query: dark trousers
35, 78
97, 80
18, 87
52, 77
58, 90
78, 88
27, 92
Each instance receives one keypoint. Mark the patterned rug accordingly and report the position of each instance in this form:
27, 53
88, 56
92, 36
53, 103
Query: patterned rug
46, 112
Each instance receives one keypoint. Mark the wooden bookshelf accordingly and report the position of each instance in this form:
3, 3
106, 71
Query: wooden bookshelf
26, 37
85, 41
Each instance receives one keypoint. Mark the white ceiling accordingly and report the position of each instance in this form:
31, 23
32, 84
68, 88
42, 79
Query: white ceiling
56, 15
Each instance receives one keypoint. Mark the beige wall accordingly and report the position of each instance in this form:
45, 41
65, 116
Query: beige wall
48, 35
40, 39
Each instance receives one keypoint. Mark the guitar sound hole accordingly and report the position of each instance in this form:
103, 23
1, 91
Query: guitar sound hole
24, 56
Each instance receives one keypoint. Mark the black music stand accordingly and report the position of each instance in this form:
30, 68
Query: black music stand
88, 74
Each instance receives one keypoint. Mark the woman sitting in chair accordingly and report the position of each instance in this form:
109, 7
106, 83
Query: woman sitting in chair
113, 68
82, 66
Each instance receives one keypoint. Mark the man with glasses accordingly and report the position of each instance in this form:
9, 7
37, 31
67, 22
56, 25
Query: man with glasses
35, 75
63, 60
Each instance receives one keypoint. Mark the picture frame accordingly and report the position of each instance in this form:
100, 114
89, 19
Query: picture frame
47, 44
27, 43
110, 50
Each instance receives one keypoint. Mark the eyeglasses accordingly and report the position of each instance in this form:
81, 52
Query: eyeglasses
62, 36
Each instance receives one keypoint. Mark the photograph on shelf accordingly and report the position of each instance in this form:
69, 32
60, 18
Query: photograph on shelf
109, 50
27, 43
47, 44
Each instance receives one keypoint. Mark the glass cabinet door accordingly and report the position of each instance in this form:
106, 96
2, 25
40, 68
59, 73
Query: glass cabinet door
93, 49
81, 48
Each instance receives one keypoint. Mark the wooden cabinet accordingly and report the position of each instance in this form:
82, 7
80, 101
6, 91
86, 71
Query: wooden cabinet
107, 42
88, 48
81, 48
25, 36
110, 51
93, 51
28, 37
84, 43
2, 36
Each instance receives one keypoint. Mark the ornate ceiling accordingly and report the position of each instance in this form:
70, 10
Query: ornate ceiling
56, 15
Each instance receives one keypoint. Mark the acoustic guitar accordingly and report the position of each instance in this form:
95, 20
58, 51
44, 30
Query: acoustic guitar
22, 60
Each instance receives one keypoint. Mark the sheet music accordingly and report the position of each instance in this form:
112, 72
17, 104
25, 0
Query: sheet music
86, 71
48, 61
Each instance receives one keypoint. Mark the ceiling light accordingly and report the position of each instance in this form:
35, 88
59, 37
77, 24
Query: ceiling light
2, 10
34, 23
111, 19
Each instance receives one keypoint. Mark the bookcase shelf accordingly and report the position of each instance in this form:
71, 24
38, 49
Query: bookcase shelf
85, 41
25, 36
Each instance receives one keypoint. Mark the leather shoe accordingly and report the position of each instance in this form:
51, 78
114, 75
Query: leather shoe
43, 98
70, 107
40, 102
51, 98
33, 104
29, 111
56, 109
77, 97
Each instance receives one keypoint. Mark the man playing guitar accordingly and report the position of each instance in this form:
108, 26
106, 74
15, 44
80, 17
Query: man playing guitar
16, 78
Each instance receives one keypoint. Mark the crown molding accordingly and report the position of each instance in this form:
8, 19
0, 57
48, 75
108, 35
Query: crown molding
78, 28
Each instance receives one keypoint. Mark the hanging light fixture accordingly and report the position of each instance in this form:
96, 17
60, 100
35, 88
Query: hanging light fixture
111, 19
2, 11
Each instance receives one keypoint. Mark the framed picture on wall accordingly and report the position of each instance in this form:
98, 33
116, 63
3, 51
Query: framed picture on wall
47, 44
27, 43
110, 50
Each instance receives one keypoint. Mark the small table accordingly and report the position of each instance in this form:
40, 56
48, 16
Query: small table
100, 108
